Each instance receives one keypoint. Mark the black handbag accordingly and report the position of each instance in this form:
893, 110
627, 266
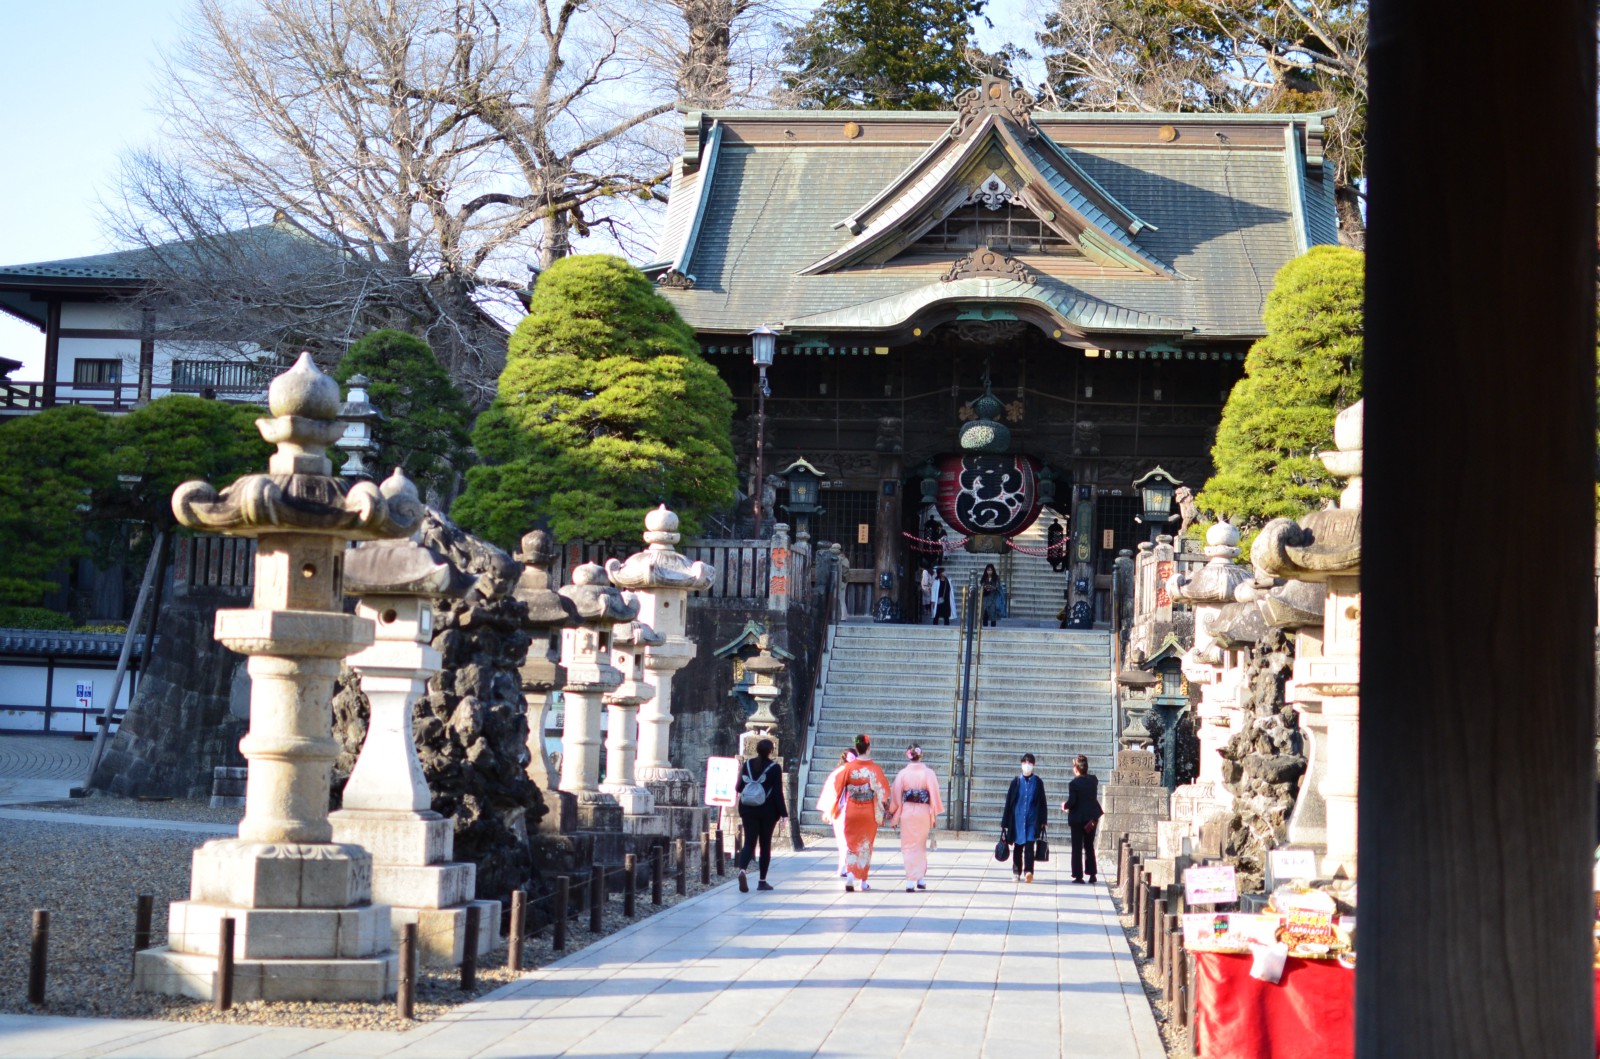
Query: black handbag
1041, 850
1002, 850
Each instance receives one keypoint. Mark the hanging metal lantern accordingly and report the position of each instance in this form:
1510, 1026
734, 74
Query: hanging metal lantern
988, 495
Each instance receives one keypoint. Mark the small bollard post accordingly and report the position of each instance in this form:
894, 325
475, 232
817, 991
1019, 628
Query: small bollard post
630, 883
1130, 885
1138, 903
1174, 959
519, 918
223, 994
141, 923
558, 940
680, 854
705, 859
597, 899
656, 866
1147, 912
1158, 937
722, 855
38, 949
405, 998
469, 949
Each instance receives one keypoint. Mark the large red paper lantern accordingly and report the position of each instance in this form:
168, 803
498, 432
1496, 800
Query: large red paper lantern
988, 494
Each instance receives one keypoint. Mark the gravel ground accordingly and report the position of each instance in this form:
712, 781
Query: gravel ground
195, 810
88, 879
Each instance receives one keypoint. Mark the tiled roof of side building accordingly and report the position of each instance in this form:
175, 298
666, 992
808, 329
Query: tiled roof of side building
41, 643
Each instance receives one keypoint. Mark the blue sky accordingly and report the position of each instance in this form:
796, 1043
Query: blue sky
79, 75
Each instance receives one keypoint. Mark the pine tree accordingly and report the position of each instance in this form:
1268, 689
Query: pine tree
604, 410
427, 430
1297, 378
883, 54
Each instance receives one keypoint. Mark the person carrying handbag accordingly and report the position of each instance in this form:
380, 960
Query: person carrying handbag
1022, 822
760, 793
1083, 817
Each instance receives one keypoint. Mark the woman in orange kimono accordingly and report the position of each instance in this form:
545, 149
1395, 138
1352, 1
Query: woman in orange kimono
831, 804
914, 806
866, 791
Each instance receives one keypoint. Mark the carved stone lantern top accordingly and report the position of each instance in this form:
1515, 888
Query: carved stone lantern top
1322, 544
660, 565
401, 568
299, 493
1214, 583
546, 607
595, 600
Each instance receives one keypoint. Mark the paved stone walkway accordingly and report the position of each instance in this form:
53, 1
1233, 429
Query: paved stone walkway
37, 768
977, 966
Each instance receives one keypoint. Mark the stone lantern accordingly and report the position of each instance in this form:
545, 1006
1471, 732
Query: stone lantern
629, 642
586, 655
388, 809
541, 673
306, 927
660, 579
758, 663
1325, 546
360, 441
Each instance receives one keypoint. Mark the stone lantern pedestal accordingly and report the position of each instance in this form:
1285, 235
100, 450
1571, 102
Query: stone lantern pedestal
541, 673
305, 925
628, 645
387, 806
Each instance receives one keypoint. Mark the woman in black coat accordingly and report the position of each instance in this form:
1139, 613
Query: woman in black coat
760, 820
1083, 816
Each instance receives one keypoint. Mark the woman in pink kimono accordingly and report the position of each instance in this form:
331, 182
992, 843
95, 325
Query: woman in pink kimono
831, 806
915, 805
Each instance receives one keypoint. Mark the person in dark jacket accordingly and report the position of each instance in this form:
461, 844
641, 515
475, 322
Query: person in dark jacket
760, 820
1022, 822
1083, 817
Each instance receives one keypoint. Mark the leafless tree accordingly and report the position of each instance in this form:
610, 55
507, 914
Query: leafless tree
417, 156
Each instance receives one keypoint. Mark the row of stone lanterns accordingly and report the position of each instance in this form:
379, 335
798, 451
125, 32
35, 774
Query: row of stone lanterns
314, 898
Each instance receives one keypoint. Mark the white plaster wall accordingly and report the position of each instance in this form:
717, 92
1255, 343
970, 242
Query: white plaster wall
99, 315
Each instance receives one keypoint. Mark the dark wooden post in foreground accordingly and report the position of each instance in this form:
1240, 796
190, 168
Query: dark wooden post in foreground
38, 955
1477, 715
705, 859
405, 999
680, 853
630, 883
142, 912
656, 869
519, 917
597, 899
224, 987
722, 856
469, 949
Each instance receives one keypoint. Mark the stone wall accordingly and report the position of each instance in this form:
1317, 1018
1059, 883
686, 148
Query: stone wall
191, 709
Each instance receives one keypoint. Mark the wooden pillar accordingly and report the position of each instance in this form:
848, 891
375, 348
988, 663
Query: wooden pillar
147, 354
52, 352
1477, 733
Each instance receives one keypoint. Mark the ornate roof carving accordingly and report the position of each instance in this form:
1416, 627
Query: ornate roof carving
994, 95
986, 261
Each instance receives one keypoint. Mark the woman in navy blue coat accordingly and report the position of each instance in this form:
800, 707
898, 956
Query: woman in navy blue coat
1023, 821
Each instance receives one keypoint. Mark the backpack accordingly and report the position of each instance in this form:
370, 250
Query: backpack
754, 794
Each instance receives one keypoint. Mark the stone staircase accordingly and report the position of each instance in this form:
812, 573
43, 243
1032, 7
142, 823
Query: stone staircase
1034, 592
1046, 691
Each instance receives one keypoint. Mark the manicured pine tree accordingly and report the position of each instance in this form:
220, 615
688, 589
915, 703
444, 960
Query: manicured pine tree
883, 54
605, 409
1305, 370
427, 431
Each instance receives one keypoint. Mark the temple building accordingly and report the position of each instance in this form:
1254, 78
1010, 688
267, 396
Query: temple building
1070, 295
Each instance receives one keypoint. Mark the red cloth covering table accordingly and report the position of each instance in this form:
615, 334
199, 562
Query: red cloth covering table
1309, 1014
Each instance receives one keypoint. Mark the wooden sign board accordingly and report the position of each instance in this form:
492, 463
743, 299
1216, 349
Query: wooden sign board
861, 533
1210, 885
1287, 865
722, 775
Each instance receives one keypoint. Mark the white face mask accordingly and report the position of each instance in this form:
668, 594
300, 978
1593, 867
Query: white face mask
1027, 768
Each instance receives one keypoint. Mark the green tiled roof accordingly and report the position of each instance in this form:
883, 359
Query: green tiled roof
1223, 218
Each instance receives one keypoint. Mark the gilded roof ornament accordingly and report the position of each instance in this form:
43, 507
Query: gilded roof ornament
299, 493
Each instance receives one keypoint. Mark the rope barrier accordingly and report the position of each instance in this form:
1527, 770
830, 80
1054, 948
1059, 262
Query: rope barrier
1048, 551
942, 543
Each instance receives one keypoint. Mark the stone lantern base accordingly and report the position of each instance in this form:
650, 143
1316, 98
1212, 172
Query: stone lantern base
304, 925
413, 875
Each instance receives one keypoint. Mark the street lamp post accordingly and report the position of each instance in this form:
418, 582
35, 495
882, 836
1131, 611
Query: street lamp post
763, 344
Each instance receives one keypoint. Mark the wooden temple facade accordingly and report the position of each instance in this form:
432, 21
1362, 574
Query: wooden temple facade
1104, 274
